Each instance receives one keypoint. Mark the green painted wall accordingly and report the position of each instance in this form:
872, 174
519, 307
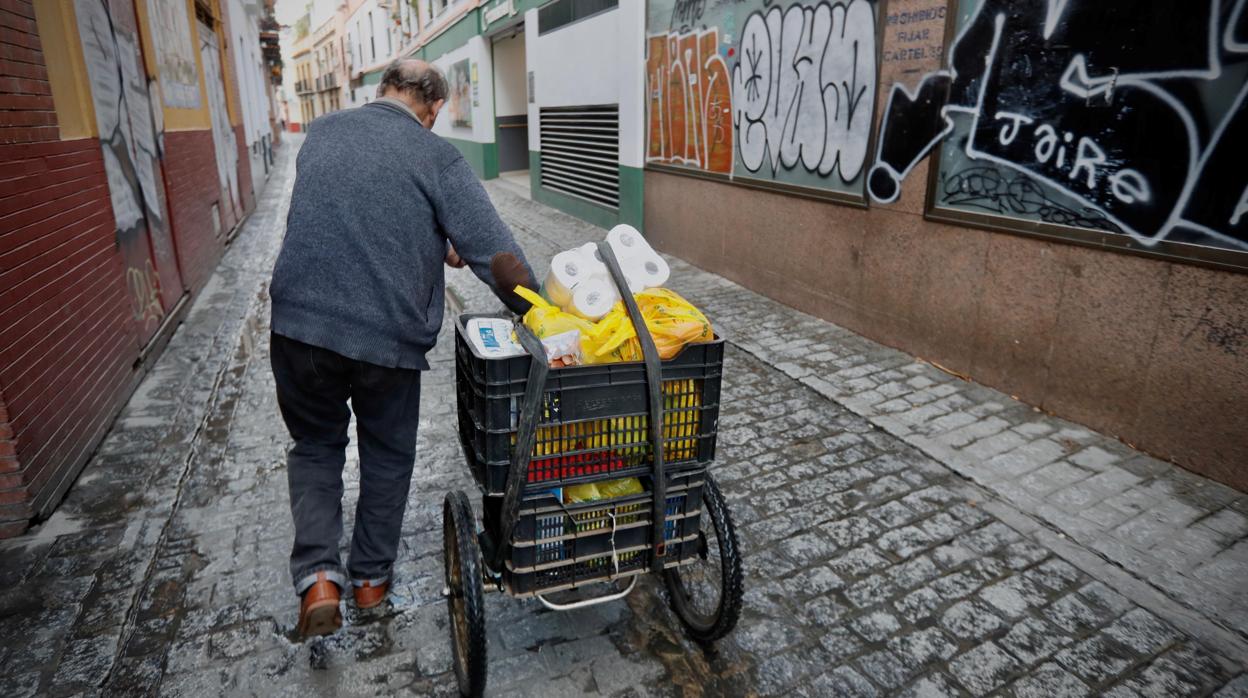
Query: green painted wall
452, 38
631, 205
482, 157
631, 190
521, 6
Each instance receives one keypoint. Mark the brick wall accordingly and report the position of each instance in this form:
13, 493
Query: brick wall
11, 492
68, 338
68, 341
191, 182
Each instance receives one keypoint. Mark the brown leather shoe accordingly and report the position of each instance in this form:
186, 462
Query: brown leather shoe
369, 596
319, 614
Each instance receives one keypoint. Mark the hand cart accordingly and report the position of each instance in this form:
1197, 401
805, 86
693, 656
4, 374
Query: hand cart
528, 431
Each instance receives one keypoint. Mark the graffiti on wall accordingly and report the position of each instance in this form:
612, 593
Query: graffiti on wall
761, 90
803, 88
144, 285
1087, 114
122, 113
175, 53
690, 101
121, 97
223, 139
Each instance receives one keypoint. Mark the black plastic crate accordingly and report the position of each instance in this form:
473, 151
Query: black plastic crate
594, 420
549, 533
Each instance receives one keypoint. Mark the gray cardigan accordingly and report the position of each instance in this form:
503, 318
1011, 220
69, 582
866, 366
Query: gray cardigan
376, 198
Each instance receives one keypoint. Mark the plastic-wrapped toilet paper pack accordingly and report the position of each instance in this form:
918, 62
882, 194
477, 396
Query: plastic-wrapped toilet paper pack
580, 283
593, 298
646, 272
567, 269
642, 266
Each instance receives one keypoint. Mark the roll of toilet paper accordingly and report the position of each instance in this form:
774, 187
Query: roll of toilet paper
624, 238
647, 271
593, 298
593, 259
634, 276
643, 267
567, 270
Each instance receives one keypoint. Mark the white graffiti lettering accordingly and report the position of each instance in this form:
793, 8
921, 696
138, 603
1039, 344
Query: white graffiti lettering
801, 90
1241, 208
1090, 159
1010, 131
1104, 92
1129, 187
1087, 158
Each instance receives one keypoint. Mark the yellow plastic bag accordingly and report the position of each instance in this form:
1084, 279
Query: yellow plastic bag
586, 492
673, 322
609, 489
620, 487
547, 320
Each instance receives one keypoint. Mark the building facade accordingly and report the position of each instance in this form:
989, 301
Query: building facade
577, 64
1036, 196
255, 85
125, 152
1064, 225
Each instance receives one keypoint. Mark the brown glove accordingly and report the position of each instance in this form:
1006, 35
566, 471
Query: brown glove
509, 272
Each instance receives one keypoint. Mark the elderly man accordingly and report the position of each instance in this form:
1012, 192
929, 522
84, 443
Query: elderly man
379, 204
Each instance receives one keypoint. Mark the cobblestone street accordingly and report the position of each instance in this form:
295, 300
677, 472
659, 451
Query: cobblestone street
905, 532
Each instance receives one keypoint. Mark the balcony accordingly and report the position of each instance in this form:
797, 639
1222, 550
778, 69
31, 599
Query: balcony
328, 81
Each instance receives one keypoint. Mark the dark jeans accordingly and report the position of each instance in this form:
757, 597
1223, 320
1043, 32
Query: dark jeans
313, 386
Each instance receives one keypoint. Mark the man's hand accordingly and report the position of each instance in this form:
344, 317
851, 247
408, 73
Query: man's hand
509, 273
453, 259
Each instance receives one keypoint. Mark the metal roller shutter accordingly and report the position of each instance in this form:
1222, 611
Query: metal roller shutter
580, 153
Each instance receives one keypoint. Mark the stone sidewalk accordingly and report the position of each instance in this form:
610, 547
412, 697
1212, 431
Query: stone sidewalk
873, 568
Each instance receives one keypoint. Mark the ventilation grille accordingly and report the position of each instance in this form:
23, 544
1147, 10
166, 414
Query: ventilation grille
580, 153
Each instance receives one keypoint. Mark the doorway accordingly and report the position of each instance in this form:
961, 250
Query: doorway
223, 139
511, 103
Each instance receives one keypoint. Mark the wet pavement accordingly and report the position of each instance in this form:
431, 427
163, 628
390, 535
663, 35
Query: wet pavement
872, 567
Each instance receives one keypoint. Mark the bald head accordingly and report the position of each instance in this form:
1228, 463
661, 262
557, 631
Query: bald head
417, 84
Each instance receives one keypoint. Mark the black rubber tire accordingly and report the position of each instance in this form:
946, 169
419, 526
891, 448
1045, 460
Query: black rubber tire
465, 602
710, 626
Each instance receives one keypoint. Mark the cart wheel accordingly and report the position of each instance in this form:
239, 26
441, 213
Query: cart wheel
706, 594
464, 594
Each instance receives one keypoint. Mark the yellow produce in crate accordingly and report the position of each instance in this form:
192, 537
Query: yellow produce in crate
682, 402
628, 437
673, 322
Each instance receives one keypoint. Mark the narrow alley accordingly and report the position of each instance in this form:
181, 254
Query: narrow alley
886, 551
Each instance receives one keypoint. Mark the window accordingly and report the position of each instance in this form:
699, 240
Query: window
389, 29
563, 12
372, 35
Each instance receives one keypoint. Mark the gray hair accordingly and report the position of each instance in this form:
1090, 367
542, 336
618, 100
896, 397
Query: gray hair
418, 79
